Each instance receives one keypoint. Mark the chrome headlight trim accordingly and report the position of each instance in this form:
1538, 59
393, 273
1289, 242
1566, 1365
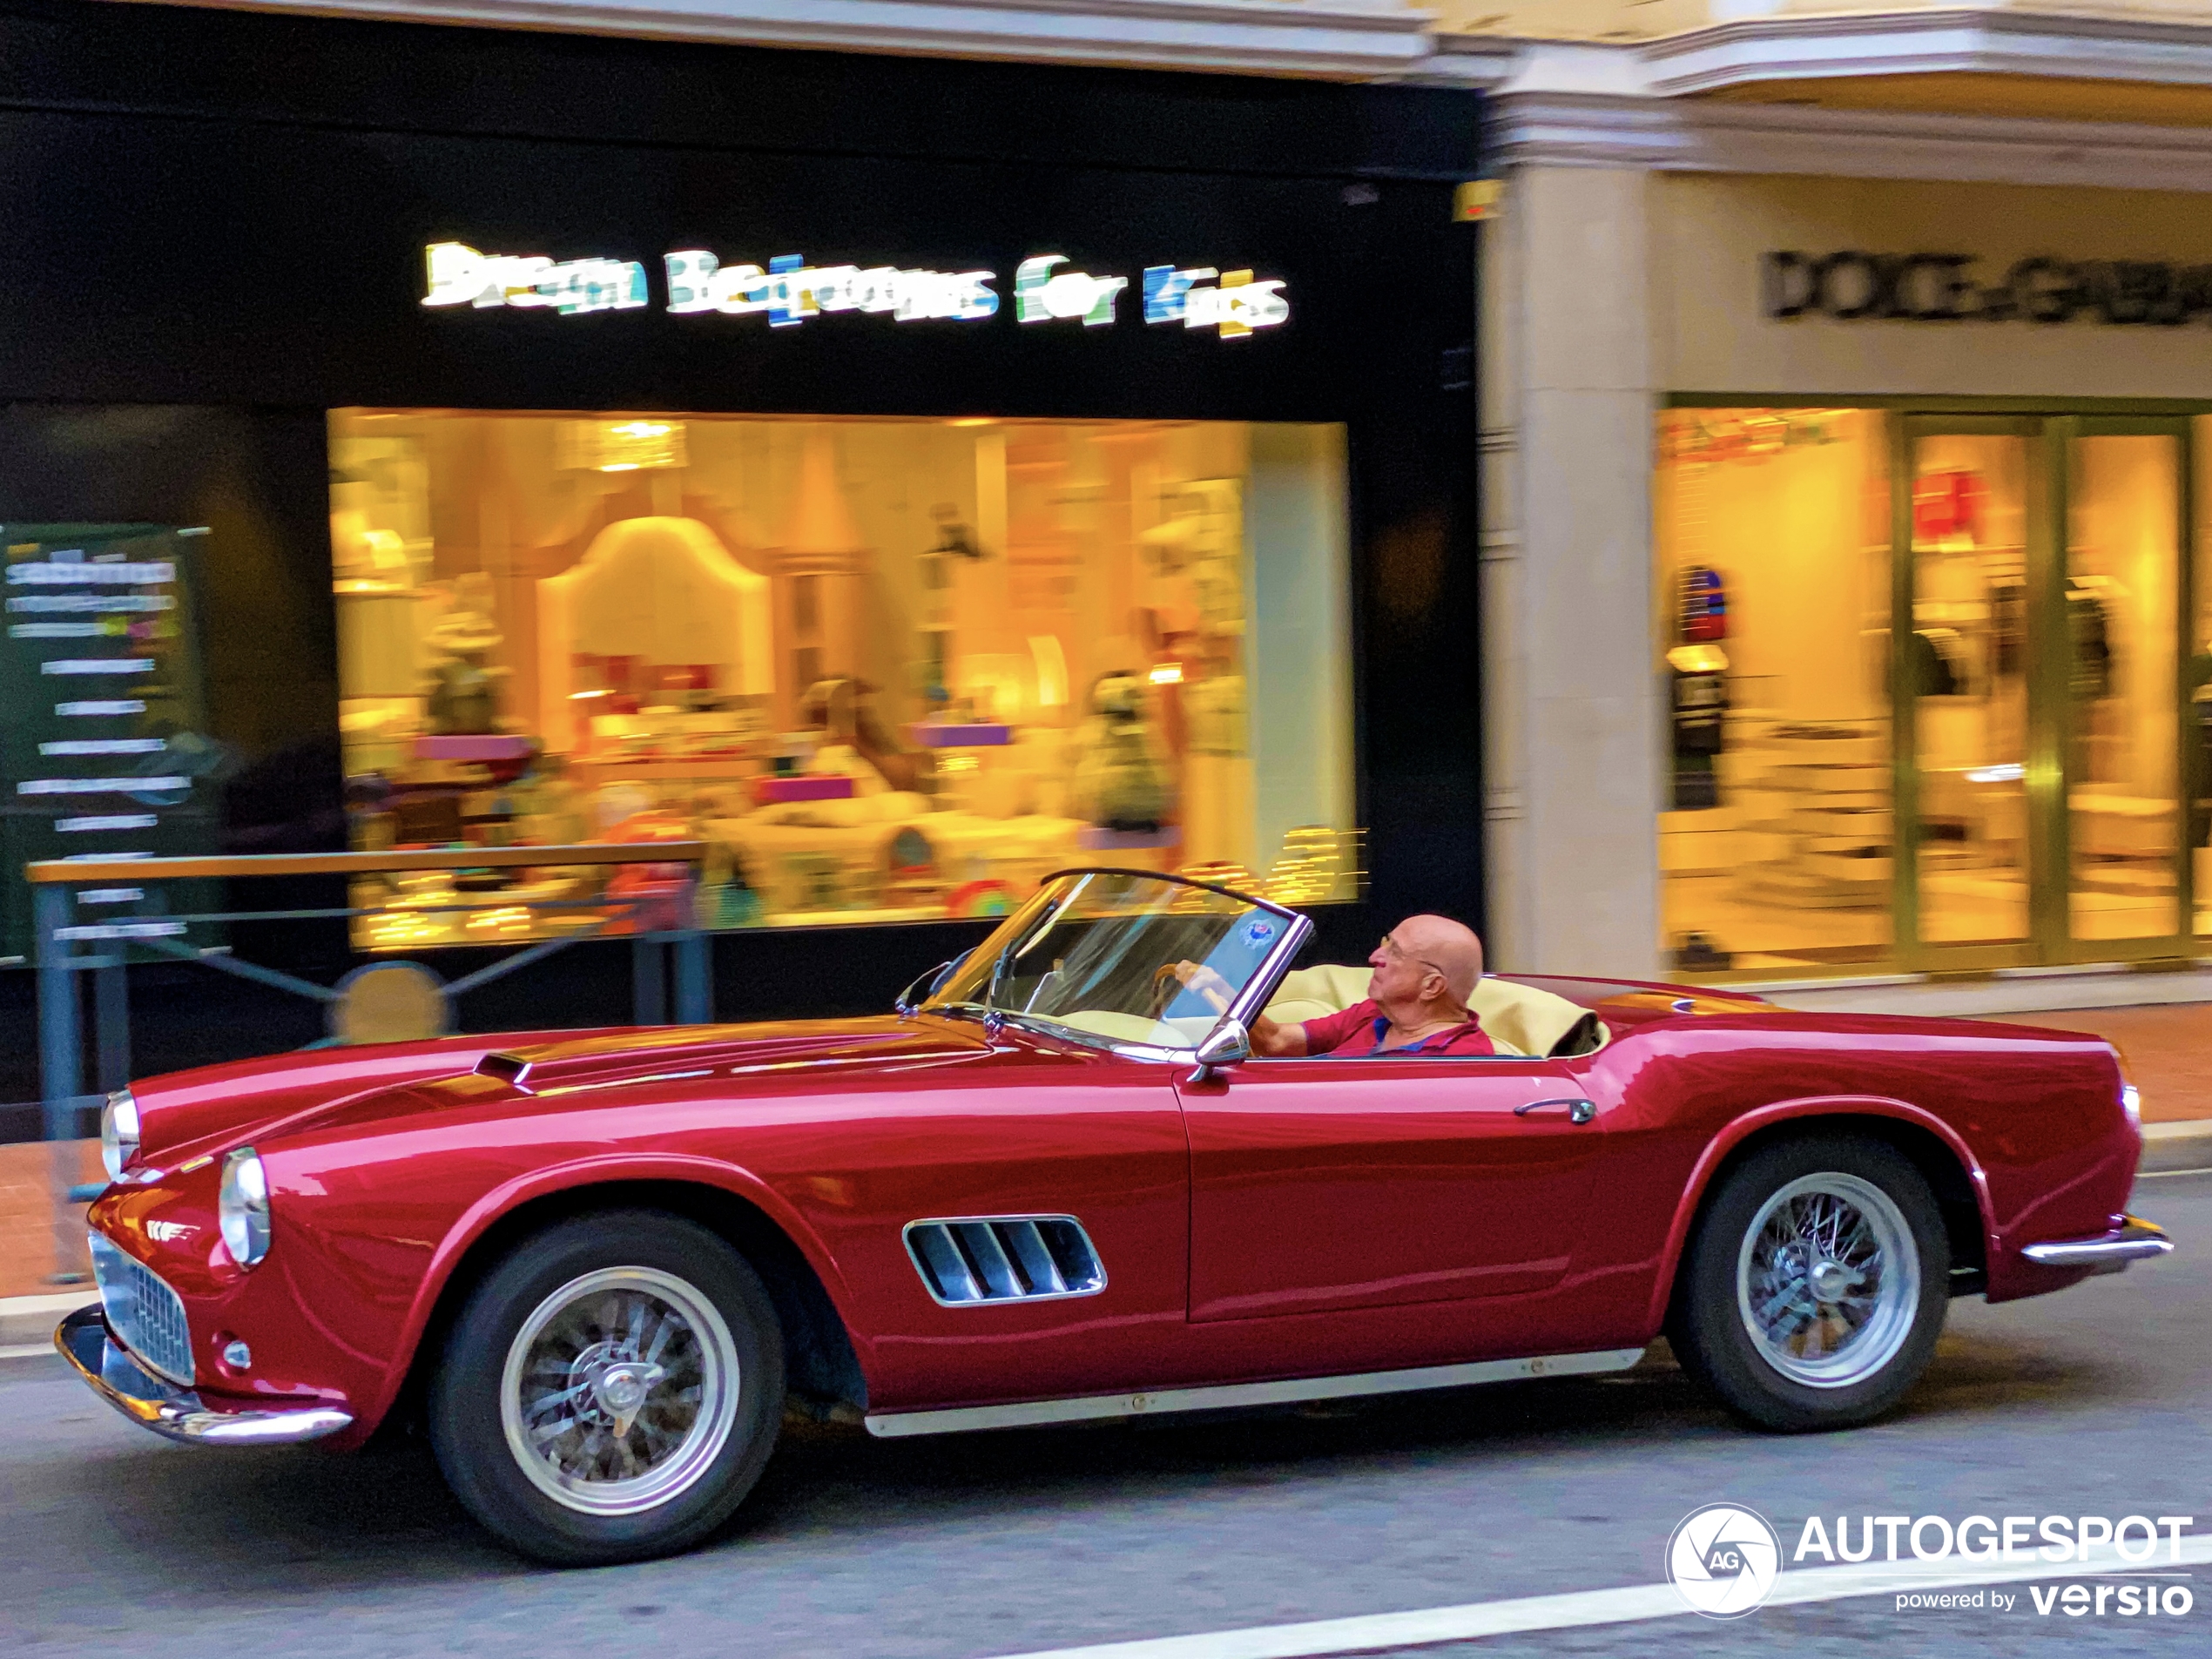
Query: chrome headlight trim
119, 1133
242, 1207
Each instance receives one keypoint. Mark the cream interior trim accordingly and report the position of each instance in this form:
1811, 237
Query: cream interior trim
1522, 1020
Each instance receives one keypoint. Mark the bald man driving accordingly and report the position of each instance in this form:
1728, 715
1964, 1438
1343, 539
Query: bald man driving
1424, 970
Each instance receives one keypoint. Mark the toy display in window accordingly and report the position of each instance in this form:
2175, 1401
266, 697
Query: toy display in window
953, 536
1121, 781
844, 711
463, 696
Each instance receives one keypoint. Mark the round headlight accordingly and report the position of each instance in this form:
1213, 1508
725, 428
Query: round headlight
119, 1133
2131, 1102
242, 1206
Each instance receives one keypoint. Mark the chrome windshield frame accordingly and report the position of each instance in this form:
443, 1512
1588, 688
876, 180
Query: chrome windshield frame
1246, 1003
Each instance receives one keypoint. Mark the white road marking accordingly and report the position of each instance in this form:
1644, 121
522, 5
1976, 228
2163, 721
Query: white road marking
1475, 1620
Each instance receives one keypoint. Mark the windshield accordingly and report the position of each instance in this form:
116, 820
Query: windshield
1095, 954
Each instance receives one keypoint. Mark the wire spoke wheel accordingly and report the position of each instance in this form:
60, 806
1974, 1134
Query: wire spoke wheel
619, 1391
1828, 1280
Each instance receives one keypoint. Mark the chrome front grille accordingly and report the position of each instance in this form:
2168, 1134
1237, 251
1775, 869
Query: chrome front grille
143, 1313
1004, 1258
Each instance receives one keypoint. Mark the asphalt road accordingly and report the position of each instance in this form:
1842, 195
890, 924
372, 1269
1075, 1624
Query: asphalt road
2095, 1401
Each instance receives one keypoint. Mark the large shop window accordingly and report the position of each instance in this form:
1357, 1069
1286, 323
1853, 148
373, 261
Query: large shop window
886, 668
2197, 709
1772, 542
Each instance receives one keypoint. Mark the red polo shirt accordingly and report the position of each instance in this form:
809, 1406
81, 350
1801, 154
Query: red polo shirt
1357, 1032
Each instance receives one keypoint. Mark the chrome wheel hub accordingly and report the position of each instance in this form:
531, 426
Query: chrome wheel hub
1828, 1280
619, 1391
610, 1387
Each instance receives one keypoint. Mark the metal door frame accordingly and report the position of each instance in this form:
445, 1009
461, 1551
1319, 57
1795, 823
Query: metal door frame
2176, 428
2046, 529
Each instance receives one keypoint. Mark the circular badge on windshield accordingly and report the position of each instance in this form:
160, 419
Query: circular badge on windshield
1722, 1559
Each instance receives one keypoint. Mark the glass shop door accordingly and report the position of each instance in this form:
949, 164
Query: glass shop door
2039, 676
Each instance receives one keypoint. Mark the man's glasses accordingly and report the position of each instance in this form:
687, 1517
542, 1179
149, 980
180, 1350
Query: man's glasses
1391, 949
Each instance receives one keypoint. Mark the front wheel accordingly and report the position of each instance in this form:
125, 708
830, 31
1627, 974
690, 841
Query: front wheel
1816, 1283
612, 1391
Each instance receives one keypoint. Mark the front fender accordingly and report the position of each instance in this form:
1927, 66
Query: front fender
577, 1174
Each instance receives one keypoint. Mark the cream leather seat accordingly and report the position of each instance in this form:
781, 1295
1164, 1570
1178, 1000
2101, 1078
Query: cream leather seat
1518, 1019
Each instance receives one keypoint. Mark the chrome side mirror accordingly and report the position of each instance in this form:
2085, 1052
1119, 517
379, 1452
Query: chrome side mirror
924, 985
1227, 1044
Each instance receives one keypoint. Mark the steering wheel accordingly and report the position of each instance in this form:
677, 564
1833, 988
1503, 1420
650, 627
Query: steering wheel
1166, 985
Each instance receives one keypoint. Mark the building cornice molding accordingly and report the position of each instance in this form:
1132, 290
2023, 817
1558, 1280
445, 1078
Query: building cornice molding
1676, 135
1959, 41
1341, 39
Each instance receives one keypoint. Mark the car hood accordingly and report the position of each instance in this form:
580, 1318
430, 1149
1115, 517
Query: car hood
186, 1115
599, 1062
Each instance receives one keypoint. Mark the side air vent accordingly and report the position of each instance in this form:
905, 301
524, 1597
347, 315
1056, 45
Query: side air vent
1004, 1258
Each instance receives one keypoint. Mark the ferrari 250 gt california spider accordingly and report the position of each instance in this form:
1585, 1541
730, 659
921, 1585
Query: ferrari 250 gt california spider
1055, 1184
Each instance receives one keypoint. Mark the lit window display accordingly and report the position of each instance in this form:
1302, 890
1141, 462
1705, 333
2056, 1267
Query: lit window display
886, 669
1772, 539
2197, 713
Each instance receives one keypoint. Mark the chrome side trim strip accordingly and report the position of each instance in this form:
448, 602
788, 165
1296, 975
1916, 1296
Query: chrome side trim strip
172, 1412
1034, 1412
2134, 1240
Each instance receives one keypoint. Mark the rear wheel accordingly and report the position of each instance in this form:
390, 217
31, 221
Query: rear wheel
612, 1391
1816, 1283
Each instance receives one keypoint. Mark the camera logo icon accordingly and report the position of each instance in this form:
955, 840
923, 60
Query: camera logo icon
1722, 1559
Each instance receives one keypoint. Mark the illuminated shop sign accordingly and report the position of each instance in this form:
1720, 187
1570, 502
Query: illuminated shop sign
1042, 293
461, 276
1853, 285
789, 290
75, 573
1236, 304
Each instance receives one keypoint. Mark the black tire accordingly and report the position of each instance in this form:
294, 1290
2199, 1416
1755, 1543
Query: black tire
1721, 1291
627, 1261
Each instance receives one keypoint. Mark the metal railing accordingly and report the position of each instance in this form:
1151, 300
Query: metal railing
660, 926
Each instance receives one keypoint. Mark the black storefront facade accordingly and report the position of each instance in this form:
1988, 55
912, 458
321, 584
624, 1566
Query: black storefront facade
1114, 340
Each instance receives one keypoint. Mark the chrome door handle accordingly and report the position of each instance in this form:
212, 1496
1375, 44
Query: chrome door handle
1578, 1110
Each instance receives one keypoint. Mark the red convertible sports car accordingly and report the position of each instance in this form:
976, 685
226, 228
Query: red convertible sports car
1056, 1185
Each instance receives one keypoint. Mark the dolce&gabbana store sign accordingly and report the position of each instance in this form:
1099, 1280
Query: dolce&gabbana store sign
1852, 286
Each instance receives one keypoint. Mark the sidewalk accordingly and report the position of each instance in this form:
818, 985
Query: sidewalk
27, 1213
2169, 1051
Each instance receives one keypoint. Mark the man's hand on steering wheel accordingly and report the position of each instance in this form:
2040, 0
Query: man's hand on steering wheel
1190, 976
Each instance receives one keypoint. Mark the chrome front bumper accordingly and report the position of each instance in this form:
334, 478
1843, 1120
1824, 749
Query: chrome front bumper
2134, 1240
178, 1414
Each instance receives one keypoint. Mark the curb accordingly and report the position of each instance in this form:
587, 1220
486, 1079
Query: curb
2185, 1145
27, 1320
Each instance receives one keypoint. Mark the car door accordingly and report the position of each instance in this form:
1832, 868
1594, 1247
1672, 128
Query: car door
917, 1184
1321, 1185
